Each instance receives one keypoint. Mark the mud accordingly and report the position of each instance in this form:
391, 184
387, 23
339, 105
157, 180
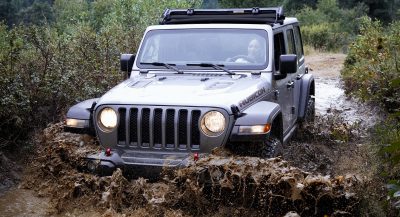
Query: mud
321, 172
215, 185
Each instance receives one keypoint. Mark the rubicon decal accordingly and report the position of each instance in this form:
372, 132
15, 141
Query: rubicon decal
252, 97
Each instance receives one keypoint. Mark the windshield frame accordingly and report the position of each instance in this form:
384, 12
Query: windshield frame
262, 32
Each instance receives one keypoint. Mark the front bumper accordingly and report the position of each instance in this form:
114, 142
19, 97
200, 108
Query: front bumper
143, 163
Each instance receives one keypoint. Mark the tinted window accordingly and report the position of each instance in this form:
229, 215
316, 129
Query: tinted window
299, 44
290, 40
279, 48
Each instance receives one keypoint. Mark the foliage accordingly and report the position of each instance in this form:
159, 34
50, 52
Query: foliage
372, 73
372, 68
48, 67
329, 27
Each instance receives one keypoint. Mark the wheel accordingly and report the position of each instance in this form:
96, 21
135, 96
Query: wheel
272, 147
244, 57
309, 116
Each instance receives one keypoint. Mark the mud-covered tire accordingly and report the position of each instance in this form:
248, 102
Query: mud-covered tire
309, 115
272, 147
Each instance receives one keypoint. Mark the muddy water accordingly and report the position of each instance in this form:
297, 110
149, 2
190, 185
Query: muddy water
330, 98
21, 202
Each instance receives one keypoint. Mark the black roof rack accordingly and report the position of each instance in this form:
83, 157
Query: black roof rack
234, 15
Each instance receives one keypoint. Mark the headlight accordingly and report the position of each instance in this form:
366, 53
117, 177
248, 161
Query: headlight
107, 119
213, 123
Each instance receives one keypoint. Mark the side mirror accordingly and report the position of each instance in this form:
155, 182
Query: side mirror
127, 62
288, 64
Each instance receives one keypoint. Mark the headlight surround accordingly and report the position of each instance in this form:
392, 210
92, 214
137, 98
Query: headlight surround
107, 119
213, 123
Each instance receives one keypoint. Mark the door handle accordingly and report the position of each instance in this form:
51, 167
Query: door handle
290, 84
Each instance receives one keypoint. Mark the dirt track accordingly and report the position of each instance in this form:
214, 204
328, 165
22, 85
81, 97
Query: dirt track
330, 158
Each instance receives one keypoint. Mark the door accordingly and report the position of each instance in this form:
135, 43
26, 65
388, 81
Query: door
293, 83
284, 92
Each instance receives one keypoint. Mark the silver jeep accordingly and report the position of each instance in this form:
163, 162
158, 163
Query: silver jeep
202, 79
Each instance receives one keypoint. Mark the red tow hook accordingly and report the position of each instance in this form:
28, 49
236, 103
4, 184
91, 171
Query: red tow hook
108, 152
196, 156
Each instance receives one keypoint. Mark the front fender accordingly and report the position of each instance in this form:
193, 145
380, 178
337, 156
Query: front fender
79, 118
307, 89
260, 113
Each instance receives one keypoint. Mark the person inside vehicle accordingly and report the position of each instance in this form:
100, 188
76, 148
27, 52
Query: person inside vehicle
254, 53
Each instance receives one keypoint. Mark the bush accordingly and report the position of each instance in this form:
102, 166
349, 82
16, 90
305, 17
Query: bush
372, 67
46, 69
329, 27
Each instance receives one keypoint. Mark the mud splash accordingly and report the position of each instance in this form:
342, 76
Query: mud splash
215, 184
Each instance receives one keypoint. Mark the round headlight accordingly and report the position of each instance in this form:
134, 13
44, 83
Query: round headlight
213, 123
108, 119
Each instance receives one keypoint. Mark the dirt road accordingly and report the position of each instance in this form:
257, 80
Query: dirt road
333, 147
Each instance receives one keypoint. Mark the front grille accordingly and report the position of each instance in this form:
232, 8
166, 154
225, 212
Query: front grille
160, 128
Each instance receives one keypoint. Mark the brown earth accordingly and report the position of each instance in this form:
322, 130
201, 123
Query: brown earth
321, 173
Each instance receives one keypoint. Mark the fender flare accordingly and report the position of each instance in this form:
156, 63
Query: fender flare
82, 111
260, 113
307, 89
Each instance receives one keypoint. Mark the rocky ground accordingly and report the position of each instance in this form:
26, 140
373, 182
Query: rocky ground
324, 171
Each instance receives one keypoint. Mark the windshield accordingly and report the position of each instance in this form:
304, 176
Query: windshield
232, 48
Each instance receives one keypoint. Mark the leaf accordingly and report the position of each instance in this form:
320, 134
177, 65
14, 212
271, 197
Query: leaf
395, 82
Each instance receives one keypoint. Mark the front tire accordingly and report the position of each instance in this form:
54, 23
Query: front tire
272, 147
309, 115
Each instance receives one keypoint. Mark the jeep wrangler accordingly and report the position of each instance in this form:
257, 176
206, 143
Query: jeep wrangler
202, 79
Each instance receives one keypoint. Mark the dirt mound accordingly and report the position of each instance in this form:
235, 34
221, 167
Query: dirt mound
218, 185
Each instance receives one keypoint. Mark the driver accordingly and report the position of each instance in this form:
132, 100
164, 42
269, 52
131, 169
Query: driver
254, 53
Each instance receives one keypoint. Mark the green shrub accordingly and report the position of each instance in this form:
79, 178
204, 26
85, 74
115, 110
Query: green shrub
372, 67
46, 69
329, 27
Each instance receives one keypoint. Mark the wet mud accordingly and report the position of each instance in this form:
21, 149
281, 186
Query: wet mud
211, 186
321, 173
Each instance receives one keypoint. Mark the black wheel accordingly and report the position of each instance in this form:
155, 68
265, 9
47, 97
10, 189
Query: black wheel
309, 116
272, 147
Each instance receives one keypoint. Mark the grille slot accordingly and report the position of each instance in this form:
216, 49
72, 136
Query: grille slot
195, 130
159, 128
170, 128
133, 129
145, 127
122, 126
182, 127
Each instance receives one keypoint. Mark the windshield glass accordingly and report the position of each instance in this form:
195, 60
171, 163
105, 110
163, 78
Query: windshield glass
232, 48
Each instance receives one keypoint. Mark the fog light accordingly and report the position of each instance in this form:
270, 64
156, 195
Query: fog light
92, 166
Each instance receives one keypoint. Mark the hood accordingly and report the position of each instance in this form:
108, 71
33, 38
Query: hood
210, 90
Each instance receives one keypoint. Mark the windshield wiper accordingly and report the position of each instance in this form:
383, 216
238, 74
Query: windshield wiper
166, 65
215, 66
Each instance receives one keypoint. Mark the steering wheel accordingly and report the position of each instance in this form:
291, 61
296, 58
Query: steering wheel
244, 57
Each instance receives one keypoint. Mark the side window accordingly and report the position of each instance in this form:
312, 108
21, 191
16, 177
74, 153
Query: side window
290, 40
299, 44
279, 48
